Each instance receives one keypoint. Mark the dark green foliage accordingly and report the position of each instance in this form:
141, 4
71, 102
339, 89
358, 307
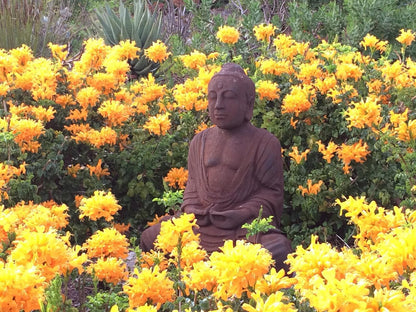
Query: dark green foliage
144, 28
349, 21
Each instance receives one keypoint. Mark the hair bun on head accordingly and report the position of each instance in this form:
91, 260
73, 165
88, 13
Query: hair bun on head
235, 70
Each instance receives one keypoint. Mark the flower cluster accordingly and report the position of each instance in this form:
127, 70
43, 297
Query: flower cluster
380, 274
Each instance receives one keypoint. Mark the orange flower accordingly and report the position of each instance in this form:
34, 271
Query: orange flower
121, 227
201, 127
97, 170
311, 189
73, 170
357, 152
77, 114
26, 132
328, 151
228, 34
177, 177
298, 157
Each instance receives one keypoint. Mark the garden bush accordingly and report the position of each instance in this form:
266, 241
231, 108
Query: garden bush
88, 154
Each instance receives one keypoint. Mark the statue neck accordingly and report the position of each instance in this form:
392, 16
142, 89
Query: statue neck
240, 130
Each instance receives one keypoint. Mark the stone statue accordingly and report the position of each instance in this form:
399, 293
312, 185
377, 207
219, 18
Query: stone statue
234, 170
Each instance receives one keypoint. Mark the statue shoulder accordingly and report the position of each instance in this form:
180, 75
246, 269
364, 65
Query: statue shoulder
266, 136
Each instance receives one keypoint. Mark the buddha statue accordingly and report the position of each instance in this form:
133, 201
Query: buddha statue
235, 169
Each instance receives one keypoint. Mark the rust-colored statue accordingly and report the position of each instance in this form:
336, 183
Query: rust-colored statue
234, 170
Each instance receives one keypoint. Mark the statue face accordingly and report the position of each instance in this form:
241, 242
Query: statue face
227, 102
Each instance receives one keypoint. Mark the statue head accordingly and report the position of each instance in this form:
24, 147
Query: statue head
231, 95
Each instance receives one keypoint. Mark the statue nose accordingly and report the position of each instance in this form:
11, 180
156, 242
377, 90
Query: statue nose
219, 104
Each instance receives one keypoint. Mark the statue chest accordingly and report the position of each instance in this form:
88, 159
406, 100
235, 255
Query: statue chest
222, 159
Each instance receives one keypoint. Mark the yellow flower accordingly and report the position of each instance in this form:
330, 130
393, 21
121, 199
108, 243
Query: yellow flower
106, 135
21, 287
406, 37
406, 131
190, 253
157, 52
22, 55
200, 277
274, 281
103, 82
391, 71
177, 177
7, 172
149, 286
298, 100
4, 88
93, 57
364, 113
270, 66
263, 32
268, 90
100, 205
76, 114
125, 49
154, 258
273, 303
369, 41
228, 34
46, 250
238, 267
59, 52
107, 243
310, 71
111, 270
159, 124
176, 230
298, 157
348, 71
87, 97
145, 308
194, 60
149, 90
115, 112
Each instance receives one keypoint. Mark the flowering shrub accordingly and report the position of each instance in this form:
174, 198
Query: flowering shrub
83, 147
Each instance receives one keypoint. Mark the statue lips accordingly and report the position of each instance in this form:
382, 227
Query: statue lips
220, 116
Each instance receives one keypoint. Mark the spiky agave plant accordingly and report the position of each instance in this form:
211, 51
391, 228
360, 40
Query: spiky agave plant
144, 27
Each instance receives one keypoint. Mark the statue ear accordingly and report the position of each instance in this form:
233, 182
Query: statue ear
249, 108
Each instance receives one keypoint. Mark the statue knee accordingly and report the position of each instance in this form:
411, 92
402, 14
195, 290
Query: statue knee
148, 237
279, 246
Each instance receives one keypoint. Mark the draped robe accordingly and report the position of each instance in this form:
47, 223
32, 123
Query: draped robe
257, 183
